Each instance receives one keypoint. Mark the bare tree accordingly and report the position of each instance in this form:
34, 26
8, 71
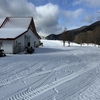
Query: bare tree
66, 36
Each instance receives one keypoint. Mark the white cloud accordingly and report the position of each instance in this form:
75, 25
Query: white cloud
17, 8
48, 15
93, 3
77, 13
77, 2
48, 18
73, 14
98, 18
71, 17
90, 3
45, 17
88, 19
64, 2
98, 15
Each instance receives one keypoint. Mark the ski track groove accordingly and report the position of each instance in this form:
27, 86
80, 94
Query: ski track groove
10, 80
81, 85
26, 74
19, 75
40, 90
62, 95
12, 73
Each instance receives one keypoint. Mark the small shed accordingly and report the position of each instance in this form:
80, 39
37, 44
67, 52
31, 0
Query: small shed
16, 33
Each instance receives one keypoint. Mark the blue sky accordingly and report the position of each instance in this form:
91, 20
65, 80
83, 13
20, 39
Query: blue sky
52, 16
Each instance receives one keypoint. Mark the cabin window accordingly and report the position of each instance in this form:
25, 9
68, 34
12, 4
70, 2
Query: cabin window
28, 44
19, 44
34, 44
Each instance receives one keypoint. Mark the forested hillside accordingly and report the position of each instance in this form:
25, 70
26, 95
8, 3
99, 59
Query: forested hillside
85, 34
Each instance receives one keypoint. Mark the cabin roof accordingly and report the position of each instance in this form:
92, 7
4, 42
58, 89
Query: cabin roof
18, 23
12, 27
10, 33
1, 21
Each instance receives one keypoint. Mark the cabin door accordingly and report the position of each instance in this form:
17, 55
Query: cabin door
27, 41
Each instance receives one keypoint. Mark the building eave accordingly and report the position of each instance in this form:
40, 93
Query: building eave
34, 28
15, 37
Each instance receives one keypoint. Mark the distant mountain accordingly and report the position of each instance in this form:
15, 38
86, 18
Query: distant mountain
85, 34
52, 37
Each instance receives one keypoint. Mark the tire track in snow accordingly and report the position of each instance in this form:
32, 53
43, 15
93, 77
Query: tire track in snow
82, 85
69, 90
91, 91
32, 93
28, 72
19, 74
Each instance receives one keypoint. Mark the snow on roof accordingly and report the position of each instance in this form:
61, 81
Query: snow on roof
10, 33
13, 26
17, 22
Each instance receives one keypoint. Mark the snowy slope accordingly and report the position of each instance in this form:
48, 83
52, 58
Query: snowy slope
53, 72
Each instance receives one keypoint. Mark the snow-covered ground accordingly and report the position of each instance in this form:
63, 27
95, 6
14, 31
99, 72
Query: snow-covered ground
53, 72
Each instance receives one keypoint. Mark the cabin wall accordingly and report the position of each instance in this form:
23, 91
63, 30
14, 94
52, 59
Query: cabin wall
7, 46
34, 40
20, 43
